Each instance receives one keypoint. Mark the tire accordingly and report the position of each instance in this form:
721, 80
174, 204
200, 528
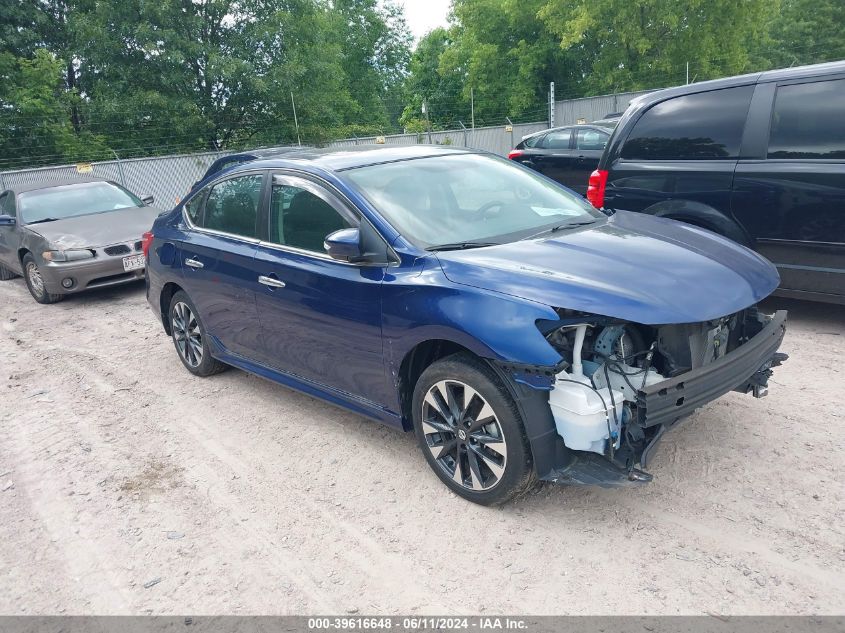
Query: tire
35, 283
188, 334
6, 274
486, 434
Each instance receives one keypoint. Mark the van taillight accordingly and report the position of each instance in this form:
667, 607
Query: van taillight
596, 187
515, 153
146, 242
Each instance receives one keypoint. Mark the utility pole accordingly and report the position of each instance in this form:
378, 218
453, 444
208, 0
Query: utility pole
295, 120
551, 104
427, 120
472, 111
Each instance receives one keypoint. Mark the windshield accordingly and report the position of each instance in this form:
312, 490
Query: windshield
68, 201
463, 198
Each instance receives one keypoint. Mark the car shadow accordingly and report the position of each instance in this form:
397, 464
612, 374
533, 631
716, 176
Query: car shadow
812, 314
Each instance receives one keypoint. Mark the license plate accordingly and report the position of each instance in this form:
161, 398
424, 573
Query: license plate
134, 262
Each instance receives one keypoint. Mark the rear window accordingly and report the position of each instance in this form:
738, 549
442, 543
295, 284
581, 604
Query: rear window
809, 121
702, 126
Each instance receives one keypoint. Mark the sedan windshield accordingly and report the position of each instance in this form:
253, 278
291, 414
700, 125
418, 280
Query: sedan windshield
464, 200
68, 201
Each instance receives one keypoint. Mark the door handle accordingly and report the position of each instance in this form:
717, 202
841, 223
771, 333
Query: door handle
193, 263
271, 281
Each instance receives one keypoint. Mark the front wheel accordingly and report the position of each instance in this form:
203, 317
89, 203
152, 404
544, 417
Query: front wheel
188, 333
35, 282
470, 431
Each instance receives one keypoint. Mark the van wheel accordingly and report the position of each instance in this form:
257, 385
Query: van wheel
470, 431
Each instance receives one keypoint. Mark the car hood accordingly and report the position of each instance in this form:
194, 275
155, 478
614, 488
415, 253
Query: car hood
97, 229
633, 267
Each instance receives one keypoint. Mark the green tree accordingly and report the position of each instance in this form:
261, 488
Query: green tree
37, 126
375, 45
647, 43
213, 73
441, 91
804, 32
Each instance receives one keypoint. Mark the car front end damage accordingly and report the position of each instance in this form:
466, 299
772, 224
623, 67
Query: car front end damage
597, 417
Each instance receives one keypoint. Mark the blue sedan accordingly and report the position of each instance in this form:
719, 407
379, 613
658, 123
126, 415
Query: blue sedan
520, 333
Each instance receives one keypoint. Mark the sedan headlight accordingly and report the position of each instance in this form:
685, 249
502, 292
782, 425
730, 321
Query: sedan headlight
73, 255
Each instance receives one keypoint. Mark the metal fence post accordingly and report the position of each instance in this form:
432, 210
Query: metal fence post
464, 129
119, 167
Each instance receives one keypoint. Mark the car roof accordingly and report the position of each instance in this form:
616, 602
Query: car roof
797, 72
35, 186
340, 159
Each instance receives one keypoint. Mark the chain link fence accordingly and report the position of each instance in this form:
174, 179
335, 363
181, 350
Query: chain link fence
169, 178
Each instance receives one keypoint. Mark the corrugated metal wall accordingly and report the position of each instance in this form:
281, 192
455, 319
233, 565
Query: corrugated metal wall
592, 108
496, 139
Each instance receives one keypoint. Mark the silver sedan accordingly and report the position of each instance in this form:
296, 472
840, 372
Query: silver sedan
65, 237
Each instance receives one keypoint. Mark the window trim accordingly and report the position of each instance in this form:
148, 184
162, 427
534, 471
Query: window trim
204, 193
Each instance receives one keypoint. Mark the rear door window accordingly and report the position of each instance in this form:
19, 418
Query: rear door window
591, 139
557, 140
808, 121
703, 126
232, 206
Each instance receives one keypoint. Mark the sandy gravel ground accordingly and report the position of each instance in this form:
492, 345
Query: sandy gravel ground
130, 487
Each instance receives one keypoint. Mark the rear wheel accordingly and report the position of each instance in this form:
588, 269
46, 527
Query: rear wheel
189, 338
470, 431
35, 282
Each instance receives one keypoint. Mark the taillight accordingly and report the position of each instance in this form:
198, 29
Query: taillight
596, 187
515, 153
146, 242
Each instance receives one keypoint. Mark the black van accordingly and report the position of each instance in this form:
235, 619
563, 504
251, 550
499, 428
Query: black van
758, 158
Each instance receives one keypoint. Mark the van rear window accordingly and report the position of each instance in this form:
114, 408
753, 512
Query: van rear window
703, 126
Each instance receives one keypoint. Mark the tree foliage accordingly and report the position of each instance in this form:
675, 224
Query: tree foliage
84, 79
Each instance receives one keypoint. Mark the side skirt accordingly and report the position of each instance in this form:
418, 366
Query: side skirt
358, 405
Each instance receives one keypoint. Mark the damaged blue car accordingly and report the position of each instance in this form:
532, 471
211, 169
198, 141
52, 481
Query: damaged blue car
517, 331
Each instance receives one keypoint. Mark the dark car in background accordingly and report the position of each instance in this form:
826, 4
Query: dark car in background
758, 158
69, 236
565, 154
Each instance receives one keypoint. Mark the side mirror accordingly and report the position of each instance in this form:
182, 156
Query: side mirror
344, 245
7, 220
147, 198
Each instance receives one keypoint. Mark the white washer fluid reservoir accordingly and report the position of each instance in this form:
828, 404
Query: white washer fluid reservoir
581, 417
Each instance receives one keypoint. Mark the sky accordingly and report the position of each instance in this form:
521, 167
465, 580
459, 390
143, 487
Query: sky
425, 15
